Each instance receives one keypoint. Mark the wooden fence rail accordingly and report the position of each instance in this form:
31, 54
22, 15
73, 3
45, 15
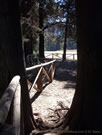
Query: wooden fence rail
60, 55
13, 90
41, 75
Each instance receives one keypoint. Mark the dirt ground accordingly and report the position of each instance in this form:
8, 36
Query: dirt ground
51, 105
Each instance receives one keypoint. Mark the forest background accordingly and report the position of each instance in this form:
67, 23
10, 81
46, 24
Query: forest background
48, 25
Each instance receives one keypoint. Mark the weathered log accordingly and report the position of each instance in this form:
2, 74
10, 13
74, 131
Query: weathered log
6, 99
17, 110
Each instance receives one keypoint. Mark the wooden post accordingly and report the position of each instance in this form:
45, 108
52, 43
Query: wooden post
40, 82
45, 73
52, 56
73, 57
51, 72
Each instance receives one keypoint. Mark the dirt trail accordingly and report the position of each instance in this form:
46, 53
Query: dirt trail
55, 100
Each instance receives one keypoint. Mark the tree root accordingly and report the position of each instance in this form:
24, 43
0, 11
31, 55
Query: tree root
43, 128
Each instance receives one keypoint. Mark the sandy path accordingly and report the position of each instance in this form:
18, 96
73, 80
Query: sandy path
57, 97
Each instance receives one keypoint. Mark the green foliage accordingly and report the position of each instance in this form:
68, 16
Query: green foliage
29, 20
54, 15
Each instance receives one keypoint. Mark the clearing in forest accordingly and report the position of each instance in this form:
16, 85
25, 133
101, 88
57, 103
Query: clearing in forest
51, 105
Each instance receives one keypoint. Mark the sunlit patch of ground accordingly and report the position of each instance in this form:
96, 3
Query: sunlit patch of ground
55, 100
70, 54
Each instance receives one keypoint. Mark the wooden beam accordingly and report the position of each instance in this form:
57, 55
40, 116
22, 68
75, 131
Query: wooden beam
6, 99
40, 65
40, 81
51, 73
40, 70
45, 73
29, 83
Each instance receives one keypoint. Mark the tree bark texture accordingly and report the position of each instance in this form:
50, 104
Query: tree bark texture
11, 56
65, 38
4, 73
86, 109
41, 35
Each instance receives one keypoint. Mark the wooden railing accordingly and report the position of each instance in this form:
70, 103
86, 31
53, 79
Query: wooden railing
72, 56
12, 96
32, 60
41, 75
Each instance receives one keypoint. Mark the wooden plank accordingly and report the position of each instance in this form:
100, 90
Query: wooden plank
51, 73
45, 73
40, 81
40, 65
36, 78
6, 99
17, 110
29, 83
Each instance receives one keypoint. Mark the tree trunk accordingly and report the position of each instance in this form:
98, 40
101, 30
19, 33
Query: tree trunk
41, 35
86, 111
12, 56
65, 38
4, 73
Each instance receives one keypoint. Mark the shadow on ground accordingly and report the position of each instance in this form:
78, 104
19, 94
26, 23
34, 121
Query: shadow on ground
37, 94
66, 71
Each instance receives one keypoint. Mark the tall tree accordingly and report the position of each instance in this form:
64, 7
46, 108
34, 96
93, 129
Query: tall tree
41, 25
4, 73
70, 24
86, 109
30, 26
11, 56
66, 31
45, 10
